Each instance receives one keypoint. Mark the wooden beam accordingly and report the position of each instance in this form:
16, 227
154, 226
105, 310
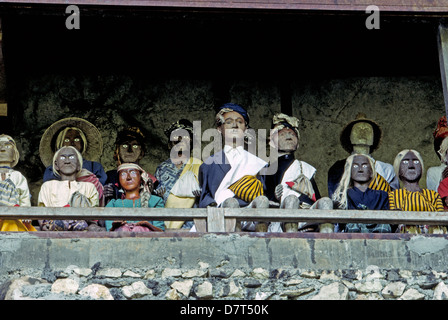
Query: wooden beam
340, 216
221, 220
3, 104
416, 6
442, 41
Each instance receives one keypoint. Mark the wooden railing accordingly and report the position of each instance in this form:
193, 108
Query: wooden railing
413, 6
223, 219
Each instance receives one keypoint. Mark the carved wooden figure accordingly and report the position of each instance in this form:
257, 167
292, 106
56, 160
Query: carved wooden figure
14, 189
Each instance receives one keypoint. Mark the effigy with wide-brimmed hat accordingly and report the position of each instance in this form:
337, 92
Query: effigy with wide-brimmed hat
346, 131
94, 148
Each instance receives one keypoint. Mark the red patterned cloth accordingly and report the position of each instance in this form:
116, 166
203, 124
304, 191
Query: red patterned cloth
440, 133
443, 188
87, 176
441, 130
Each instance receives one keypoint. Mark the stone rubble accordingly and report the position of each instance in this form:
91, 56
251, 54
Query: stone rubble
222, 283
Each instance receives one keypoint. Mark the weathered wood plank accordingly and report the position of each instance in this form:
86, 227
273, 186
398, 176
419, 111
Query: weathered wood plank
200, 225
102, 213
3, 102
215, 220
343, 216
230, 225
327, 5
239, 214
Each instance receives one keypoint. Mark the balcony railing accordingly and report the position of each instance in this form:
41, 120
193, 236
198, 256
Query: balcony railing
216, 219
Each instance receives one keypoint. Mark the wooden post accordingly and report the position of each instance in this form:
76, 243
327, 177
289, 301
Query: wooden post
200, 224
3, 105
230, 223
215, 219
443, 61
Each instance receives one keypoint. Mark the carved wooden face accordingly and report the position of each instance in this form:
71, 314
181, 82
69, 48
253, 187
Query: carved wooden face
181, 140
67, 162
410, 168
362, 134
233, 127
361, 169
130, 179
287, 140
6, 153
73, 138
130, 151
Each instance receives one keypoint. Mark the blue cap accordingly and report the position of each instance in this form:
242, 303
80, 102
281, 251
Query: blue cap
236, 108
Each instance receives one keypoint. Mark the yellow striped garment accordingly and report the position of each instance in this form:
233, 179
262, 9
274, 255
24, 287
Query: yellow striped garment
247, 188
426, 200
379, 183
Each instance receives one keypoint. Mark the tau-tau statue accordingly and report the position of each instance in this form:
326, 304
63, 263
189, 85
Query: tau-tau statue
14, 189
361, 136
66, 191
231, 177
354, 193
408, 165
293, 185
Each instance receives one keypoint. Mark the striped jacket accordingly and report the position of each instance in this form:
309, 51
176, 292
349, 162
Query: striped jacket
379, 183
426, 200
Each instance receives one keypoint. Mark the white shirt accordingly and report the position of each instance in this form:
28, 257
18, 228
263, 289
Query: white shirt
234, 155
241, 163
292, 173
55, 193
434, 176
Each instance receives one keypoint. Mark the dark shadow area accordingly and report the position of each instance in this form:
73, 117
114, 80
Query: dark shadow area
217, 45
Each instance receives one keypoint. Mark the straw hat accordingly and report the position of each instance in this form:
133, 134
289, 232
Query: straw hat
345, 134
48, 141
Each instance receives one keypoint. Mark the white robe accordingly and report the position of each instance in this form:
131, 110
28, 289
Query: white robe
243, 163
291, 174
21, 186
55, 193
434, 177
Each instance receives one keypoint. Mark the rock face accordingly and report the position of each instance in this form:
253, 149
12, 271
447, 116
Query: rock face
229, 284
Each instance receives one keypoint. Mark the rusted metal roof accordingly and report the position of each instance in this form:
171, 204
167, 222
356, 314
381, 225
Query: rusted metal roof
415, 6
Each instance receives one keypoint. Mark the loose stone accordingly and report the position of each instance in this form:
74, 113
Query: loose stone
66, 286
97, 292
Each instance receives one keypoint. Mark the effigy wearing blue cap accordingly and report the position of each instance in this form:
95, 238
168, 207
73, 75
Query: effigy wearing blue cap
236, 108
